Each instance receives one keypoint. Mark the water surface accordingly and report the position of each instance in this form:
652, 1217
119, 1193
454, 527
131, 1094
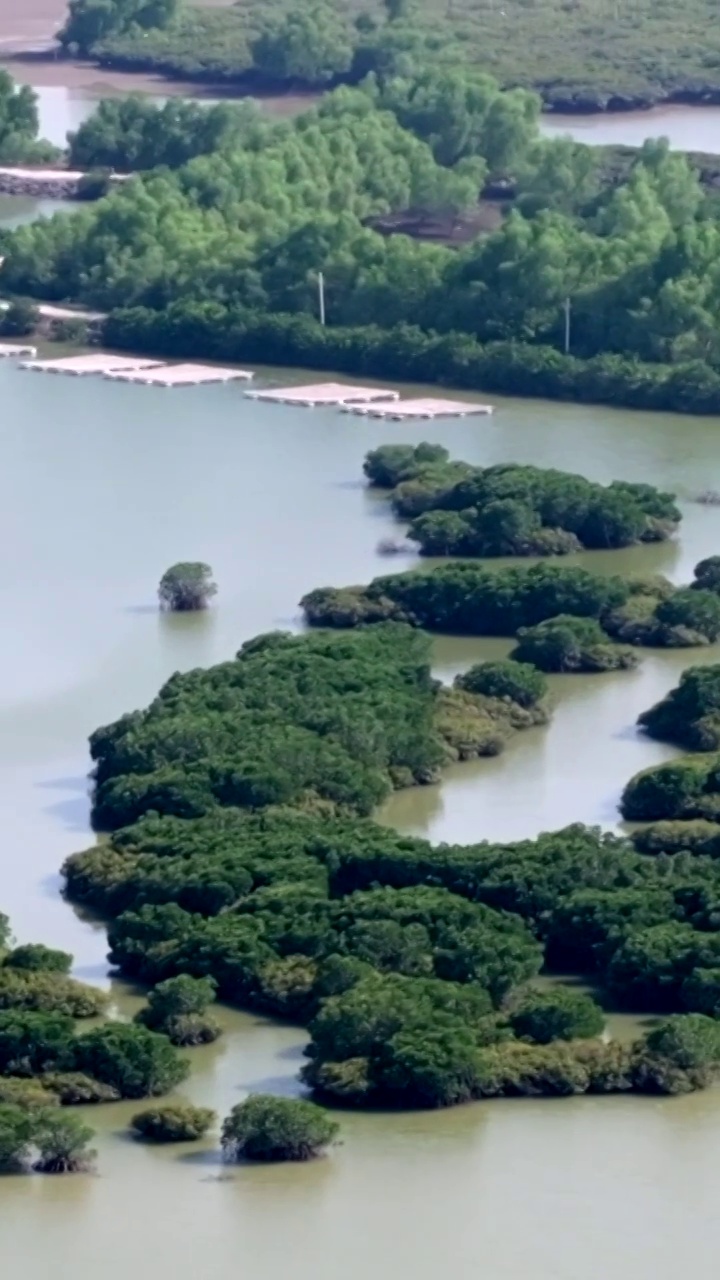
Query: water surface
686, 128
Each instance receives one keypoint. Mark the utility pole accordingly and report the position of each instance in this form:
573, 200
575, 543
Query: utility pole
566, 308
321, 296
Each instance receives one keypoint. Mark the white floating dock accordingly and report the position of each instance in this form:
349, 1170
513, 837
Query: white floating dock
178, 375
82, 366
403, 409
9, 351
324, 393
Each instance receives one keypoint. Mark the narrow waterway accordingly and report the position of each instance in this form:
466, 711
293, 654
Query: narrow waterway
101, 487
63, 108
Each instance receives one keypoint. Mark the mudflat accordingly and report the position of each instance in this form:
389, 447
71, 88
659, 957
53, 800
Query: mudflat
29, 24
27, 31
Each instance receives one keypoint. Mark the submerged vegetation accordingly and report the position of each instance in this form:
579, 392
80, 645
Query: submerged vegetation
512, 510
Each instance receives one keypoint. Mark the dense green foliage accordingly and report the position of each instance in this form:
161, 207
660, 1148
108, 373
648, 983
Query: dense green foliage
544, 1016
680, 789
91, 21
39, 1043
565, 643
469, 599
61, 1143
690, 714
178, 1009
405, 352
302, 720
33, 957
49, 992
42, 1140
19, 125
510, 509
137, 1062
521, 682
186, 587
403, 957
268, 1128
25, 1093
579, 57
34, 977
175, 1122
131, 133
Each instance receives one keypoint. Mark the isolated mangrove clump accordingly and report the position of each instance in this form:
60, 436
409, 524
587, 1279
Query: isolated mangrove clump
186, 587
690, 714
268, 1128
176, 1122
43, 1140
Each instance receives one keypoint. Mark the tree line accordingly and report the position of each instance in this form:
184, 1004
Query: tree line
577, 58
469, 599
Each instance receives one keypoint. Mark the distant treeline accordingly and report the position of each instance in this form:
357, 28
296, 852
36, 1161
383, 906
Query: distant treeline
579, 57
213, 331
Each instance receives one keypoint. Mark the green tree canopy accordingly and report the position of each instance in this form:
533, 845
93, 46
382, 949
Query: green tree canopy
268, 1128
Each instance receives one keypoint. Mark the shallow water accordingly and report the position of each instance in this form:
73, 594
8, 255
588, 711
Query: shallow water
101, 487
686, 128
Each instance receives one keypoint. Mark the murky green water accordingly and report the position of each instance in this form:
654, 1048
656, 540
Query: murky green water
101, 487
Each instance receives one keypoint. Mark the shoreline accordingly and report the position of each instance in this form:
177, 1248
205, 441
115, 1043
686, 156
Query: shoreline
39, 66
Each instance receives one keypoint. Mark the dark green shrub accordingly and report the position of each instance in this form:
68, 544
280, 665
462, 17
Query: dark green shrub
176, 1122
566, 643
521, 682
34, 956
268, 1128
136, 1062
544, 1016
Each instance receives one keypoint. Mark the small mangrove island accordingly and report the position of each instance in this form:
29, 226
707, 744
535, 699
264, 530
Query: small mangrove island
469, 599
511, 510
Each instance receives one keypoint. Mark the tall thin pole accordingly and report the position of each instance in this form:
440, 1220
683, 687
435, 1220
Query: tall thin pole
321, 296
566, 308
